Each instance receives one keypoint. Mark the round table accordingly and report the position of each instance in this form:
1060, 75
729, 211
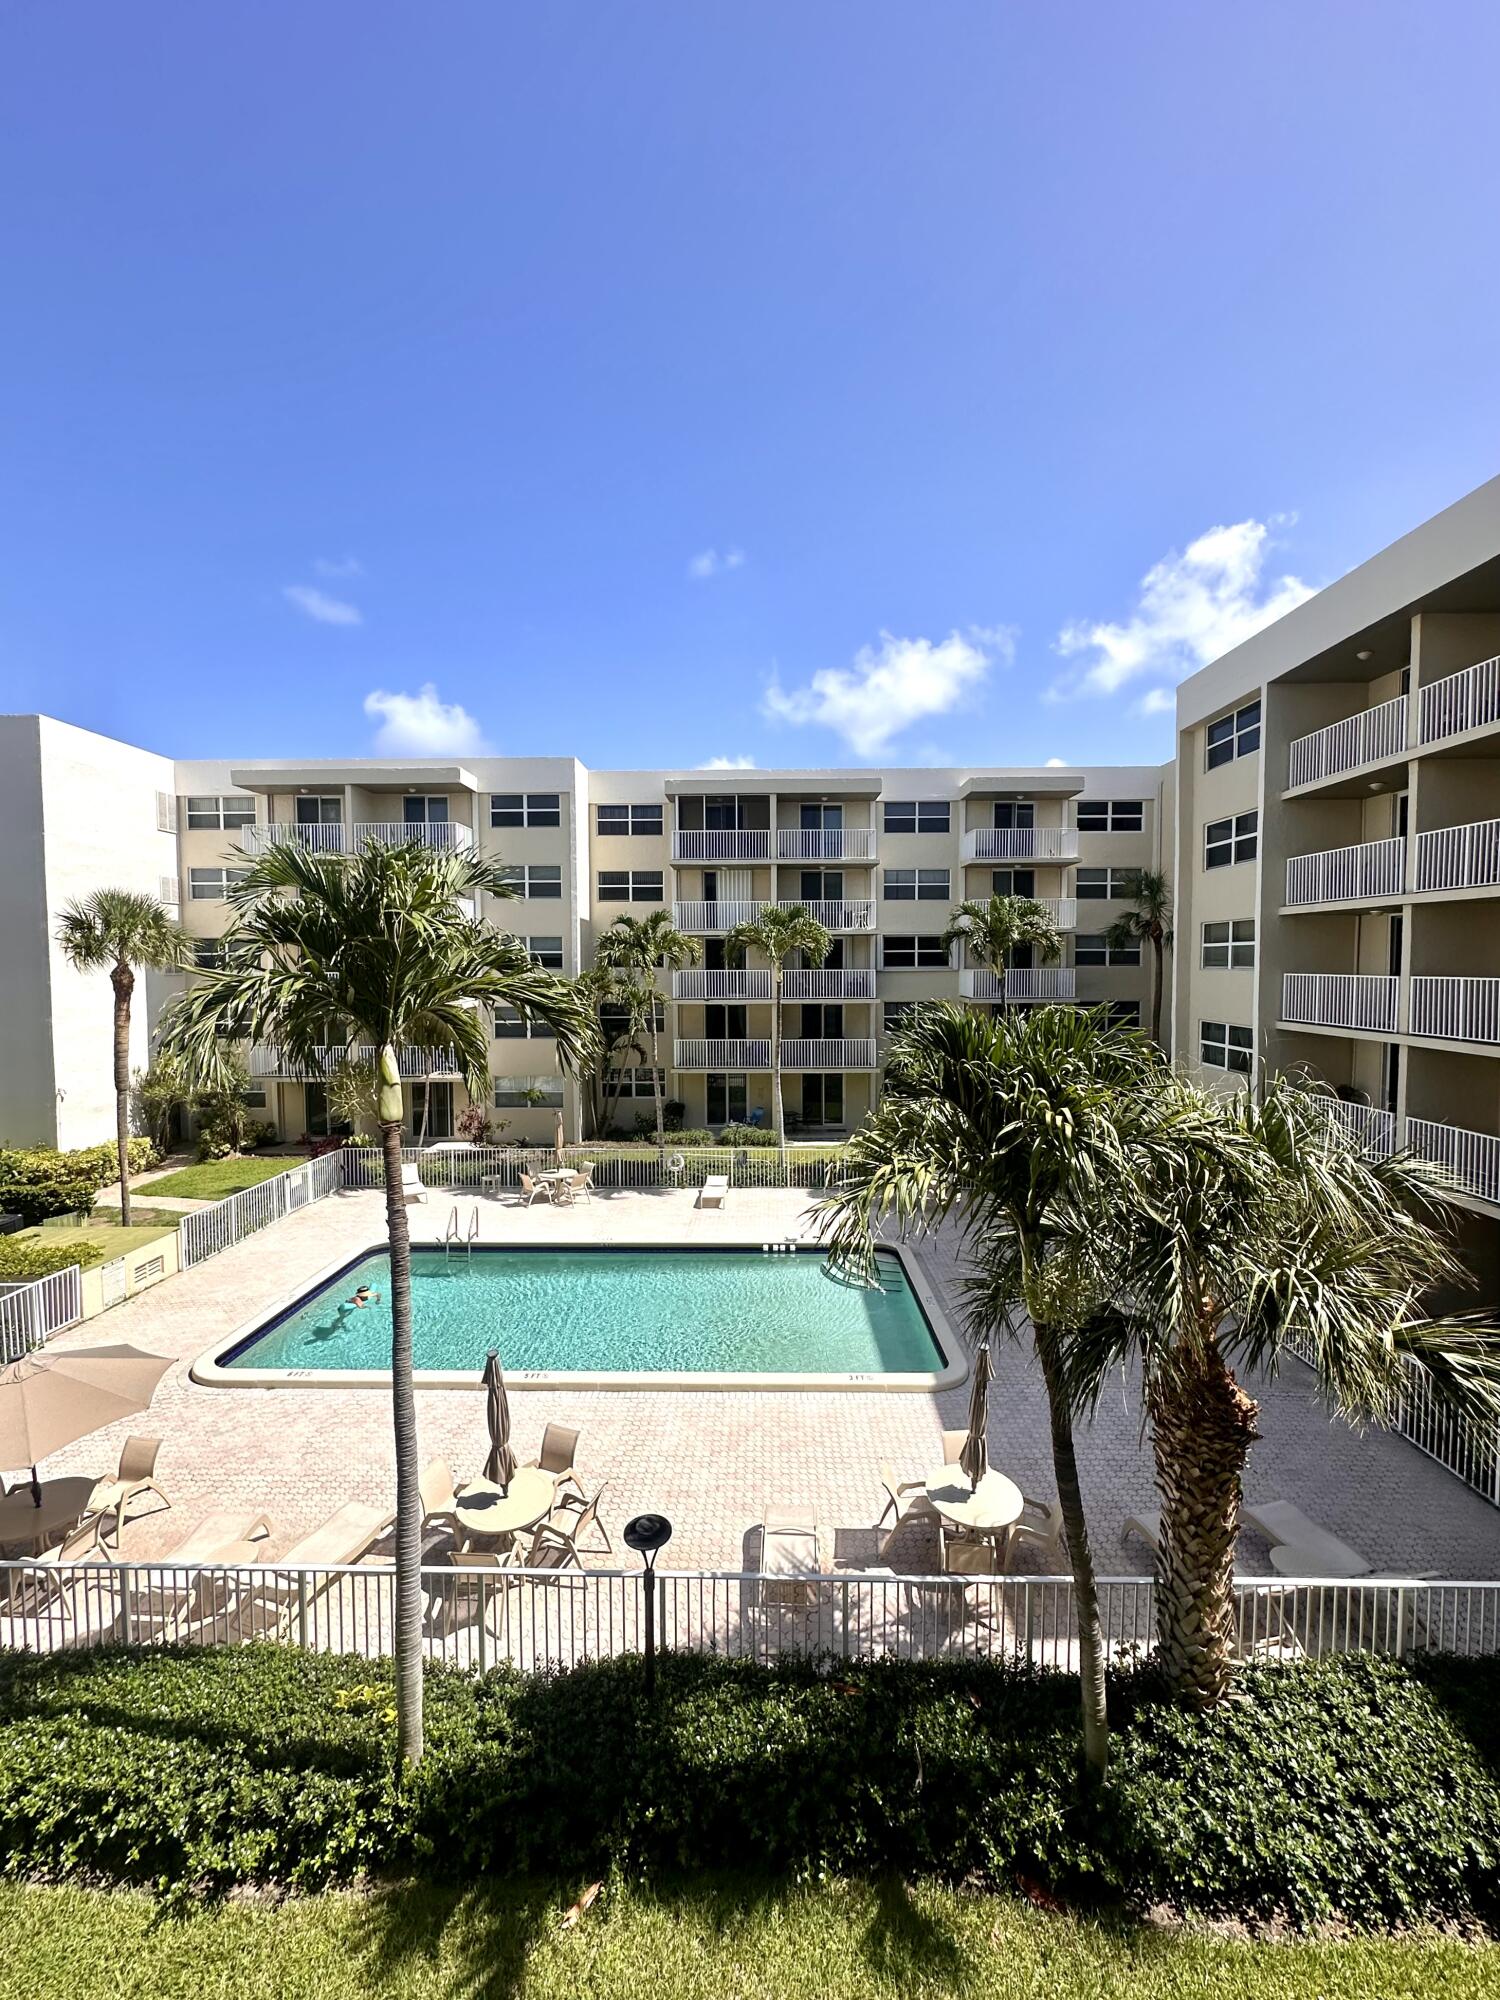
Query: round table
485, 1509
63, 1502
986, 1509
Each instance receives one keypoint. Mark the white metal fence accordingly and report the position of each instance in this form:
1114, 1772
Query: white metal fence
1021, 843
1370, 1128
1374, 735
1473, 1158
33, 1309
1462, 701
1347, 874
207, 1231
720, 1054
1341, 1000
1460, 857
1455, 1008
614, 1167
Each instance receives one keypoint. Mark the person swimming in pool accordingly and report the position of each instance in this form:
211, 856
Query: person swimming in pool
363, 1296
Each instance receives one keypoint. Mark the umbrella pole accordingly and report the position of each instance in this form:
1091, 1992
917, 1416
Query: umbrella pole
36, 1489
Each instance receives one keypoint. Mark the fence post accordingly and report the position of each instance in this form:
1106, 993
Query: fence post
302, 1609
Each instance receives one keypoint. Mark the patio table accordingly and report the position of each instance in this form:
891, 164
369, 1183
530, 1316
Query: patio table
25, 1525
488, 1510
987, 1509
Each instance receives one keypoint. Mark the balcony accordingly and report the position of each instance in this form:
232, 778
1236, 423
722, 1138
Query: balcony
721, 1055
266, 1061
708, 919
744, 843
841, 1054
1470, 700
1472, 1159
847, 914
1455, 1009
1021, 983
1374, 736
1370, 1129
701, 984
1364, 1001
1021, 843
1460, 857
1373, 870
854, 982
336, 838
849, 843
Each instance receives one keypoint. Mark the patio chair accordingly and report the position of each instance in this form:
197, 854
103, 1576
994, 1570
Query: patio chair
557, 1456
907, 1499
1040, 1526
970, 1555
555, 1545
532, 1190
135, 1475
713, 1191
438, 1497
581, 1187
953, 1445
413, 1187
1146, 1528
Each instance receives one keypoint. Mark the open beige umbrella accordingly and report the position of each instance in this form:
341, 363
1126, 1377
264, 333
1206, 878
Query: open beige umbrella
975, 1458
51, 1400
500, 1466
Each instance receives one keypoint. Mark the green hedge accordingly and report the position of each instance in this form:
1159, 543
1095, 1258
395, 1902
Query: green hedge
39, 1260
1350, 1787
39, 1181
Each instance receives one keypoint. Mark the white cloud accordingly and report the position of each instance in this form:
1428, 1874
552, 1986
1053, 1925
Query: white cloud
728, 764
319, 606
344, 566
1192, 607
1157, 701
892, 685
423, 725
710, 562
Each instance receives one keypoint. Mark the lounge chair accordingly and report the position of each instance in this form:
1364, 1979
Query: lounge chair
280, 1596
136, 1475
907, 1499
713, 1191
1285, 1526
557, 1457
413, 1188
532, 1190
791, 1557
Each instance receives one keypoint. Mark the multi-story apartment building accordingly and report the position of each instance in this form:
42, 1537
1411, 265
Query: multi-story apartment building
881, 857
1338, 854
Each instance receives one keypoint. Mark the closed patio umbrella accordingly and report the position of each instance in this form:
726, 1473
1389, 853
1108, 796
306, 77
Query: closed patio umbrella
501, 1464
975, 1455
51, 1400
559, 1140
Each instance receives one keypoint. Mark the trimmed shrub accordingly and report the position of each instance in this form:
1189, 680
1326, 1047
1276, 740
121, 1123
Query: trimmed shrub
747, 1135
40, 1260
38, 1181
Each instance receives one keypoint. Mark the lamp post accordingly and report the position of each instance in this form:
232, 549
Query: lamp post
648, 1534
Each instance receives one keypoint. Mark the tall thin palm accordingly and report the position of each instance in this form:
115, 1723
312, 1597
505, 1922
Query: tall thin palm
122, 932
995, 1120
1147, 921
373, 948
991, 931
779, 934
1240, 1228
632, 951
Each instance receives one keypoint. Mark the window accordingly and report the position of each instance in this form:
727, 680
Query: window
220, 812
633, 1082
916, 815
910, 954
629, 819
522, 1092
510, 1026
166, 812
1104, 885
1124, 1013
726, 1097
629, 885
532, 881
1233, 736
546, 952
1110, 816
898, 1013
425, 809
208, 954
1231, 944
1013, 882
525, 809
1094, 948
915, 885
1223, 1047
614, 1019
319, 809
1229, 840
211, 885
254, 1094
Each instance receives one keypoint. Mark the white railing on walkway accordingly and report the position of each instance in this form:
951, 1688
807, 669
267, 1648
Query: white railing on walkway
1347, 874
336, 838
853, 913
1463, 701
33, 1309
1456, 1009
721, 1054
1373, 736
1472, 1158
1371, 1129
849, 843
541, 1621
273, 1062
849, 982
468, 1168
207, 1231
721, 985
745, 843
1460, 857
701, 917
1362, 1000
1041, 982
1021, 843
837, 1053
977, 982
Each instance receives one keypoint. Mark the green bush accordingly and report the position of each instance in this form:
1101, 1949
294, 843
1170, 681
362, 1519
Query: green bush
1351, 1786
747, 1135
40, 1260
39, 1181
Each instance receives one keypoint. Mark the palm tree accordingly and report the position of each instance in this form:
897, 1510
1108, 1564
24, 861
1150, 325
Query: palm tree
1147, 921
372, 948
123, 932
990, 931
1241, 1229
994, 1120
631, 951
777, 934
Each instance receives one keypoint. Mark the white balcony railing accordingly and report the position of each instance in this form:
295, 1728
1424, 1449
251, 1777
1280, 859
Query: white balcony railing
706, 919
977, 982
1460, 857
848, 843
1063, 910
1021, 843
336, 838
1360, 1000
1472, 1158
701, 983
1373, 869
850, 982
721, 1055
744, 843
267, 1061
1371, 1129
1373, 736
856, 913
1456, 1009
1463, 701
841, 1054
1041, 982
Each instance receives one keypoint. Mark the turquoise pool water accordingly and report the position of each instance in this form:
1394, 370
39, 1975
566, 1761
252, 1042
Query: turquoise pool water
740, 1312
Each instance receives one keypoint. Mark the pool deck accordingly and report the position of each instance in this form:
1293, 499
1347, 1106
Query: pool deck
711, 1460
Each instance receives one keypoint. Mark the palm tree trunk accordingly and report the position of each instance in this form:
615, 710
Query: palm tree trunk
1156, 985
1202, 1428
1080, 1557
408, 1495
778, 1118
123, 981
656, 1090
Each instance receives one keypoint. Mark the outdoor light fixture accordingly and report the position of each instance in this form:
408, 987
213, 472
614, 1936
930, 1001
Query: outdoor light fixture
1364, 654
648, 1535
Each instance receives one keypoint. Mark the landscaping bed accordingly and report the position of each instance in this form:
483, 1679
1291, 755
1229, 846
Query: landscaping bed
211, 1180
1353, 1790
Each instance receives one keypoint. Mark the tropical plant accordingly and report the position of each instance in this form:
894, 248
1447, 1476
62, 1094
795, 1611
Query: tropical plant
1240, 1229
631, 951
1147, 921
372, 948
990, 932
778, 934
160, 1091
122, 932
995, 1121
227, 1121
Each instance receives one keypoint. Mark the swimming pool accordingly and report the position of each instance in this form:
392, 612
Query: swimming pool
610, 1318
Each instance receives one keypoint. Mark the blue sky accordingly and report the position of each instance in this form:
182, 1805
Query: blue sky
811, 385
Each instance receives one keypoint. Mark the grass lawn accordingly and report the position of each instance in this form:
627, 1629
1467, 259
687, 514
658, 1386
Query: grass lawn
713, 1939
103, 1231
211, 1180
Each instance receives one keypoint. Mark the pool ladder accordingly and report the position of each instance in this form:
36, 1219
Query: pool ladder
455, 1238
